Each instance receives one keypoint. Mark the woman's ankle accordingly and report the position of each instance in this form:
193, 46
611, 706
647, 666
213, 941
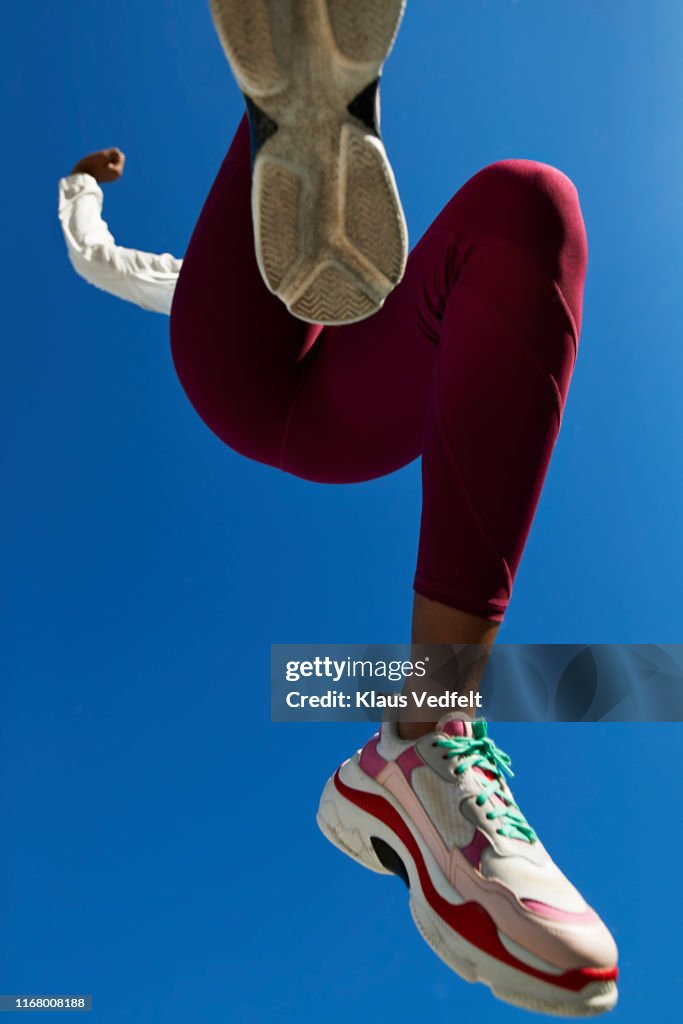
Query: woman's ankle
414, 730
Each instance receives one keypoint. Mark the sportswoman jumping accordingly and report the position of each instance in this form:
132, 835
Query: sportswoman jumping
466, 362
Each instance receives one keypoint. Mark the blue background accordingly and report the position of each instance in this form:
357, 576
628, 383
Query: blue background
159, 844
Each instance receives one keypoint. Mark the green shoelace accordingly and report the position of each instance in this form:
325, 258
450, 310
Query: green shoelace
480, 751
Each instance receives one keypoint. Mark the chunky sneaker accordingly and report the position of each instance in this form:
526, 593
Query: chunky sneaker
329, 231
484, 893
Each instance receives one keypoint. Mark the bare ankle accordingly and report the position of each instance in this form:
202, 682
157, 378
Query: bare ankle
414, 730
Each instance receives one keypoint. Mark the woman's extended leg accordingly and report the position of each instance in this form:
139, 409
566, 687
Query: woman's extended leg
468, 363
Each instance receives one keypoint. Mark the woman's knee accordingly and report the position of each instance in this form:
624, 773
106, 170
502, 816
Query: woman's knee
535, 207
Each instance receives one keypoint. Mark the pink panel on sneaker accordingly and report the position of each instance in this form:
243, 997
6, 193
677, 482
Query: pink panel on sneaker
393, 779
408, 760
475, 848
370, 761
454, 727
456, 723
544, 910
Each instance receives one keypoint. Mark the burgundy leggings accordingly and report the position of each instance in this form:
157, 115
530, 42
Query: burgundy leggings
468, 364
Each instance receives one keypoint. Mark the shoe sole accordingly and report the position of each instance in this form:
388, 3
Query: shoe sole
329, 231
370, 841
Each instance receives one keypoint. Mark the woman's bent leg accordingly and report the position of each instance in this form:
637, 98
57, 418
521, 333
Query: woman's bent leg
339, 404
468, 362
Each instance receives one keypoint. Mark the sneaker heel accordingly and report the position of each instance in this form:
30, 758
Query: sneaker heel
347, 828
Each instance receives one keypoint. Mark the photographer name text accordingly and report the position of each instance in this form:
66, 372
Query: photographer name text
371, 699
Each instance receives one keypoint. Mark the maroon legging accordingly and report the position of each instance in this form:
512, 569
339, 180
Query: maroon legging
468, 363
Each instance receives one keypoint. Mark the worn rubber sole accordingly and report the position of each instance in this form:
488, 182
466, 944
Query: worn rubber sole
329, 232
363, 820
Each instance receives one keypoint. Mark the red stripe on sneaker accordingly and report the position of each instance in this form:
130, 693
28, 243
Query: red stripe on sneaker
470, 920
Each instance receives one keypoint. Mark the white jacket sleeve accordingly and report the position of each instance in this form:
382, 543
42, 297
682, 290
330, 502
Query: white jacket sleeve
144, 278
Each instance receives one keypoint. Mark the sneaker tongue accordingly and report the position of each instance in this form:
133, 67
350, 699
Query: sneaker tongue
458, 724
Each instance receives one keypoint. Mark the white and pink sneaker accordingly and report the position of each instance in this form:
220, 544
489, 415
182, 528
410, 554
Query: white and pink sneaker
484, 892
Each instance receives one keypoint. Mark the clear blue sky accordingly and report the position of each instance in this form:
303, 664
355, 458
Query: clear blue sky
159, 847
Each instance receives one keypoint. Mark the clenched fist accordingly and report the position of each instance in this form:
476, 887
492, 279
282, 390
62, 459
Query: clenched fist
104, 165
